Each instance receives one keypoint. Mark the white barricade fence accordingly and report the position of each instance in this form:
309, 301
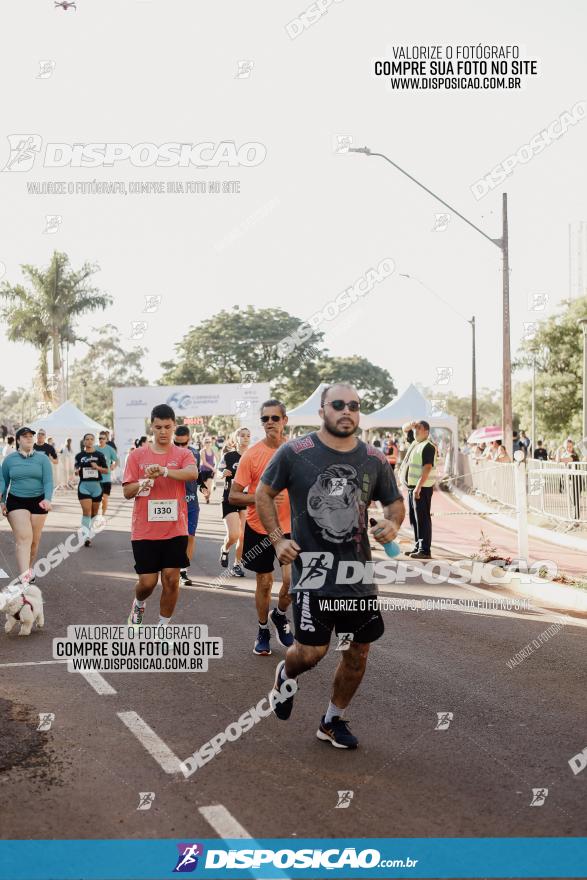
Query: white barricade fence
558, 490
555, 490
493, 479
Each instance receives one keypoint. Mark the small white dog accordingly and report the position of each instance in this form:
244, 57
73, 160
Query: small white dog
25, 609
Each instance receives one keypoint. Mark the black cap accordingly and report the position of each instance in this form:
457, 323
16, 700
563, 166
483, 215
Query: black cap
22, 431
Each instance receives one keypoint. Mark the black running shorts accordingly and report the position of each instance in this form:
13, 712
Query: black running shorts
106, 488
152, 557
258, 552
230, 508
314, 622
15, 502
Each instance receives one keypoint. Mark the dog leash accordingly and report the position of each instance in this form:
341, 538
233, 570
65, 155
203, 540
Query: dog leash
25, 601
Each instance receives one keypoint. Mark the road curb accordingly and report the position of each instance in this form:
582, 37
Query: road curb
569, 541
548, 593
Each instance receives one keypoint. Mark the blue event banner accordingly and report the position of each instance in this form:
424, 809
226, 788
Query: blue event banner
368, 858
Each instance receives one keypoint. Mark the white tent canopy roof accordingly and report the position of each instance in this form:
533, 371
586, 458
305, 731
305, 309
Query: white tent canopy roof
306, 414
408, 407
67, 421
412, 406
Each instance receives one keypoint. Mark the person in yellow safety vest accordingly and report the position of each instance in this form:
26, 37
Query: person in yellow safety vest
421, 476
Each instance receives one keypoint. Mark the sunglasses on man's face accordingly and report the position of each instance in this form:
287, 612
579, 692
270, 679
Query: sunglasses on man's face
339, 405
270, 418
177, 443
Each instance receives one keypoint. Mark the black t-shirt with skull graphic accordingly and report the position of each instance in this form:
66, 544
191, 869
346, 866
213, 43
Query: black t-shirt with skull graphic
330, 493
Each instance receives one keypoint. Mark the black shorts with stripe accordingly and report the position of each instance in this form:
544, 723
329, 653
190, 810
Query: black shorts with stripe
315, 617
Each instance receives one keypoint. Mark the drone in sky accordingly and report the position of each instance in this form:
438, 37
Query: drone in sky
66, 4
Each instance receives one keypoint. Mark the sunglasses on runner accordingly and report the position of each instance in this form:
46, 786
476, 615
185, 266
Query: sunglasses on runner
271, 418
339, 405
175, 443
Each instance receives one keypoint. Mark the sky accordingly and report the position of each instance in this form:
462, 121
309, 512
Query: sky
309, 219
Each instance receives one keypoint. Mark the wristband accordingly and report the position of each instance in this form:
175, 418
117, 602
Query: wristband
165, 471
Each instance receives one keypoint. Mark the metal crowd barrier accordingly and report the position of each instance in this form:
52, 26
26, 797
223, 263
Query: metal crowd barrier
494, 480
558, 490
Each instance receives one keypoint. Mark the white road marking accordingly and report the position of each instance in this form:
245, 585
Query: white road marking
33, 663
223, 822
98, 682
168, 762
227, 827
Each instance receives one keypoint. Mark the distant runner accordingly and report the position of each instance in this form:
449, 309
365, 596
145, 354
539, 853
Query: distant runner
111, 456
234, 516
182, 439
91, 467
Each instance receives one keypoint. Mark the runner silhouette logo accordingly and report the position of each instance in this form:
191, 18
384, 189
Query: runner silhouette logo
187, 860
315, 566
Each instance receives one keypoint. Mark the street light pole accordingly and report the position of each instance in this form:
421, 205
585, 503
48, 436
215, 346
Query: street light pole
582, 322
533, 401
503, 244
473, 379
506, 397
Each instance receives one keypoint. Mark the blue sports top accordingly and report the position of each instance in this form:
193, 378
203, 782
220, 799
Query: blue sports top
27, 476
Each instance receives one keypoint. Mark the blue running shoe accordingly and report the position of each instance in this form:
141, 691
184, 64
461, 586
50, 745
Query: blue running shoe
262, 646
282, 696
337, 733
282, 630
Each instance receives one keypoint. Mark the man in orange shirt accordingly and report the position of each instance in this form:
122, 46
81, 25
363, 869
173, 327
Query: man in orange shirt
258, 553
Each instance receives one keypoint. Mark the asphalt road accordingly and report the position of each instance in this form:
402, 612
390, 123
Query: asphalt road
513, 729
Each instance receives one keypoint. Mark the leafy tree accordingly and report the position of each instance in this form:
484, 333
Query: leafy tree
234, 345
374, 384
243, 344
298, 387
16, 407
557, 346
488, 407
557, 415
106, 365
44, 314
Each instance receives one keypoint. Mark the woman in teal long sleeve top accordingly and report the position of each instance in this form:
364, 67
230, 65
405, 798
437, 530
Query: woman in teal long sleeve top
27, 489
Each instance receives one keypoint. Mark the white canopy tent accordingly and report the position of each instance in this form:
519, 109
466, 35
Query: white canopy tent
306, 413
411, 406
67, 421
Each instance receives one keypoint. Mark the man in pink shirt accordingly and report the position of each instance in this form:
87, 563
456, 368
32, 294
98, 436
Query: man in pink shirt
155, 476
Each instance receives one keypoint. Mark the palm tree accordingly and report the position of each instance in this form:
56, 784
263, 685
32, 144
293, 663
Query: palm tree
45, 315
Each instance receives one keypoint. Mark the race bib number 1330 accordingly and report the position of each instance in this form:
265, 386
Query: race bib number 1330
163, 510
